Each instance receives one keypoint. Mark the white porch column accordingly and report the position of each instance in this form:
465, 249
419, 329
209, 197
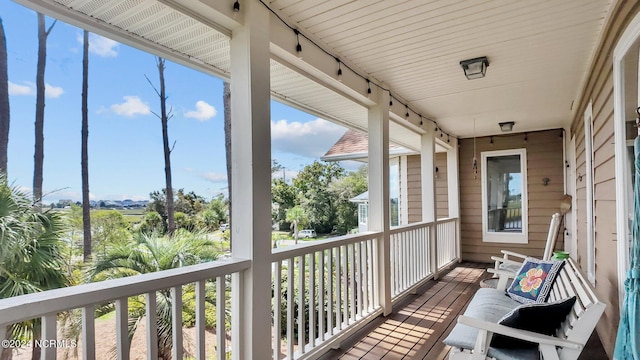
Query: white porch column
251, 175
428, 174
379, 191
453, 187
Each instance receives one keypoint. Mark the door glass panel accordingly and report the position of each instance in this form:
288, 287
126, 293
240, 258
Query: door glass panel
504, 194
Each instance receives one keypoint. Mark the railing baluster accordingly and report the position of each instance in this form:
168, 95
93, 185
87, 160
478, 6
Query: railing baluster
345, 288
290, 307
321, 296
201, 321
176, 320
338, 289
221, 311
88, 332
49, 337
301, 318
365, 276
277, 309
312, 299
330, 282
122, 328
374, 264
151, 311
359, 278
352, 281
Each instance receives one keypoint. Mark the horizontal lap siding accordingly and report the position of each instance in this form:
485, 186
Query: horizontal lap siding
544, 160
599, 90
414, 188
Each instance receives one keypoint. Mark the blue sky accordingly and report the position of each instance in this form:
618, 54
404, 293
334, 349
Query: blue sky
125, 139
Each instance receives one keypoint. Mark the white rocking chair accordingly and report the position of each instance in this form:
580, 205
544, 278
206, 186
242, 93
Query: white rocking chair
511, 261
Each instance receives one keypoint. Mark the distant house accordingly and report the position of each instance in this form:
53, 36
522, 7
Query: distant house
404, 173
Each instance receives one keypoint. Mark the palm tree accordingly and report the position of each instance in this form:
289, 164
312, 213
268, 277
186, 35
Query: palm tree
150, 253
297, 217
86, 206
38, 157
31, 255
4, 101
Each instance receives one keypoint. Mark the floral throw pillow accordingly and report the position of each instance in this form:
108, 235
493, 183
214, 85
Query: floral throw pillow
534, 280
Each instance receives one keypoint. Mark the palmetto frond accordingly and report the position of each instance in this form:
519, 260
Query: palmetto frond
150, 253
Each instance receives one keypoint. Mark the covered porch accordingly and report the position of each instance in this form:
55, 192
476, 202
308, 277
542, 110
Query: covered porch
387, 68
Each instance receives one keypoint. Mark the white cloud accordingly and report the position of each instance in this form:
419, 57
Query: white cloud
311, 139
131, 106
53, 91
15, 89
101, 46
203, 112
215, 177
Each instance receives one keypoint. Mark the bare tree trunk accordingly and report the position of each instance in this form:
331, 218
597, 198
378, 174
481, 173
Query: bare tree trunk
86, 206
4, 101
38, 157
171, 224
226, 100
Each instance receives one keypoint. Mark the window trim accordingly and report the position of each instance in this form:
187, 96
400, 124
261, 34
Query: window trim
589, 190
497, 237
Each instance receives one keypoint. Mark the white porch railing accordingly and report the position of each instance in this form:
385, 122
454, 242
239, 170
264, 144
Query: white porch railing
321, 290
49, 304
410, 256
447, 249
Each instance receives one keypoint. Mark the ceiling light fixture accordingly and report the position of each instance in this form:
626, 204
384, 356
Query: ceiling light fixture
475, 68
506, 126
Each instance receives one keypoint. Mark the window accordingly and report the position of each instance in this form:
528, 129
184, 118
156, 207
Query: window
363, 215
504, 196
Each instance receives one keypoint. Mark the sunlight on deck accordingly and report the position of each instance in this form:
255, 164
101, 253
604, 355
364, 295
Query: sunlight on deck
416, 328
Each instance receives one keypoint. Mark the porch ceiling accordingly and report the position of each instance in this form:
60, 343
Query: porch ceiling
539, 53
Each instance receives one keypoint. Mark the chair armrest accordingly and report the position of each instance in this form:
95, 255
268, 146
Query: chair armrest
503, 277
500, 272
517, 333
514, 254
502, 260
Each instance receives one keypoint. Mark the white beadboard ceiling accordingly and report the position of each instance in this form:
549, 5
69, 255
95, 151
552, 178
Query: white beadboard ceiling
539, 53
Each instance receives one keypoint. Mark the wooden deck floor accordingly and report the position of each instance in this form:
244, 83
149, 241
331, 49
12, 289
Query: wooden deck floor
418, 325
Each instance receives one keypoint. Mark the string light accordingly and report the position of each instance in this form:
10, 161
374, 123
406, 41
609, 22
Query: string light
525, 137
491, 141
236, 6
298, 46
448, 139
